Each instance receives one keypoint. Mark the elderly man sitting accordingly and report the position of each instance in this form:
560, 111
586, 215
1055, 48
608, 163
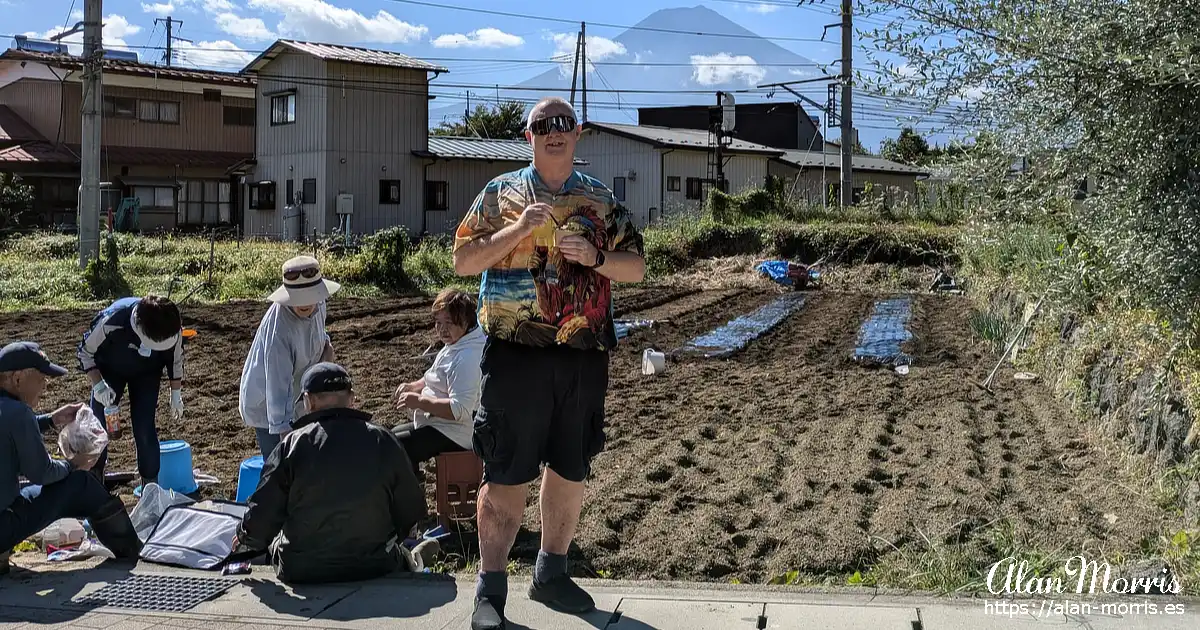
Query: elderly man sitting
337, 496
61, 488
443, 402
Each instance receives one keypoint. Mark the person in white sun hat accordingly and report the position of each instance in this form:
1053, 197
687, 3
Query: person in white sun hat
291, 338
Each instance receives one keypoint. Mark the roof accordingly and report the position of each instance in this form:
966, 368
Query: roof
673, 137
14, 129
867, 163
42, 152
120, 66
471, 148
337, 52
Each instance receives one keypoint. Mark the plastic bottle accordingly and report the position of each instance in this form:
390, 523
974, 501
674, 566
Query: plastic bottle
112, 420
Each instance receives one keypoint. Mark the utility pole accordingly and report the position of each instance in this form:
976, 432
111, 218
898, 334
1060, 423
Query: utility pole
575, 68
89, 158
847, 91
169, 56
583, 62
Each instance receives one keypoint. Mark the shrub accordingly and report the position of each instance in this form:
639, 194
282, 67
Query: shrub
103, 273
383, 259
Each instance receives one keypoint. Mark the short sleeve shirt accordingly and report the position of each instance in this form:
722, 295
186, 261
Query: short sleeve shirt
534, 296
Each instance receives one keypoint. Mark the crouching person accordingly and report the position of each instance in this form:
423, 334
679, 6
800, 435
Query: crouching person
62, 489
337, 496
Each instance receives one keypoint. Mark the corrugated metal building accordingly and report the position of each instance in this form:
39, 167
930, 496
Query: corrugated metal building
808, 175
334, 121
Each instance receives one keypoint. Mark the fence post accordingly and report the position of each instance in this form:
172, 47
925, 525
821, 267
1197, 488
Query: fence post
212, 250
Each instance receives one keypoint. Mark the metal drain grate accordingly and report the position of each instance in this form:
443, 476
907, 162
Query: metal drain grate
880, 337
166, 593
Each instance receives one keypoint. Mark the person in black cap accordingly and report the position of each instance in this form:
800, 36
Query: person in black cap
338, 495
61, 489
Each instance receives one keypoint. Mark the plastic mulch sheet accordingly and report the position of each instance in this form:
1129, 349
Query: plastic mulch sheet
737, 334
880, 337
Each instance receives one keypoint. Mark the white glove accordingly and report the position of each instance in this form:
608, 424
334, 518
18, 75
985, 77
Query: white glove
103, 393
177, 404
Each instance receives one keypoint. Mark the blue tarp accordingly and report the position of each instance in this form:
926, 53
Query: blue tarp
775, 270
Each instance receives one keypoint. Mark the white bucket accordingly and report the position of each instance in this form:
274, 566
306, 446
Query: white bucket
653, 362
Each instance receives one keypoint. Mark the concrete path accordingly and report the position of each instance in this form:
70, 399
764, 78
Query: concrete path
43, 599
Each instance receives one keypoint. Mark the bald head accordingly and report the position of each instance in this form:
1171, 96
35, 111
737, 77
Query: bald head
552, 130
550, 106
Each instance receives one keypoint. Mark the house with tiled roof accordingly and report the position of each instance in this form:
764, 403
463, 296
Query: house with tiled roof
172, 138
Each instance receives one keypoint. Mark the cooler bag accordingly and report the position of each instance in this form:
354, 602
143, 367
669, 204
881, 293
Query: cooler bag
190, 537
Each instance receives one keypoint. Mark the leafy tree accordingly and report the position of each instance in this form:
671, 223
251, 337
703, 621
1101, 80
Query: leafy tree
1101, 88
908, 148
504, 121
15, 197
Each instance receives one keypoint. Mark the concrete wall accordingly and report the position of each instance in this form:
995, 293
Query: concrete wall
611, 156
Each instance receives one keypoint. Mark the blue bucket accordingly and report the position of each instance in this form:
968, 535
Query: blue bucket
175, 471
248, 476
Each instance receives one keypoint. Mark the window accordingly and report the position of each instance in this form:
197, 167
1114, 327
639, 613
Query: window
695, 188
158, 111
119, 107
208, 201
619, 188
309, 191
60, 191
435, 196
212, 96
389, 191
238, 116
856, 195
725, 185
291, 193
262, 196
283, 109
155, 196
673, 183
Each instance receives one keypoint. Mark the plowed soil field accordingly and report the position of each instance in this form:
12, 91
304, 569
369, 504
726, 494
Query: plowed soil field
789, 456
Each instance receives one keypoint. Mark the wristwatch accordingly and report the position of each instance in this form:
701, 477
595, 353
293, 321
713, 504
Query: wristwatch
599, 258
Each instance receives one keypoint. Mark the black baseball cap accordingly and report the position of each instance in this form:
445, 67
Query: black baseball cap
324, 377
24, 355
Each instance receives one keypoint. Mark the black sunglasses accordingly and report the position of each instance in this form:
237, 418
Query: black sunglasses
550, 124
307, 272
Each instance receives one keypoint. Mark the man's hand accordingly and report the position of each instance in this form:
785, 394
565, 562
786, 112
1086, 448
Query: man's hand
177, 404
408, 400
103, 393
578, 249
85, 462
534, 216
65, 415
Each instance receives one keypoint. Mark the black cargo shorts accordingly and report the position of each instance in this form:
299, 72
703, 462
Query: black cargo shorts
539, 406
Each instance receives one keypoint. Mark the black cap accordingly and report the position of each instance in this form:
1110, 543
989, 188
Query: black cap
24, 355
324, 377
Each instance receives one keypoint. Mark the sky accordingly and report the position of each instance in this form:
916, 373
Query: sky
226, 34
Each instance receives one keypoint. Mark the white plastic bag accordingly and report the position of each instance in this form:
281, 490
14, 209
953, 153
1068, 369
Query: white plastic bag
84, 435
150, 507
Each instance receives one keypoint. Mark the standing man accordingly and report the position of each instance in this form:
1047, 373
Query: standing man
291, 338
129, 345
548, 241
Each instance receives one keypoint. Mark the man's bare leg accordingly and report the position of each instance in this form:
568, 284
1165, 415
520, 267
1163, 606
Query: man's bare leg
499, 513
552, 585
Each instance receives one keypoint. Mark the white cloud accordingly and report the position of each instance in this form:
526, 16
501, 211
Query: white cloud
320, 21
598, 49
797, 72
726, 68
481, 38
763, 8
217, 6
245, 28
116, 29
162, 9
218, 55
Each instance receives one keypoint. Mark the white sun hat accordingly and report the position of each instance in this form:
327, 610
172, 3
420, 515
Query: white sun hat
303, 284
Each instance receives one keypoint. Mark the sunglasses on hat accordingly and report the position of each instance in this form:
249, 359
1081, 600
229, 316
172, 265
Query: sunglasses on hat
307, 272
550, 124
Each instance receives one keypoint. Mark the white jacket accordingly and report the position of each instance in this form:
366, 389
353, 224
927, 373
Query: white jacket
455, 374
284, 347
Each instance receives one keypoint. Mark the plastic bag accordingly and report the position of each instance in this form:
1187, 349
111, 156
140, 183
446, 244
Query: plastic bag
150, 508
83, 436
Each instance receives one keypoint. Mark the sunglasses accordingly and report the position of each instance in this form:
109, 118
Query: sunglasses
550, 124
307, 272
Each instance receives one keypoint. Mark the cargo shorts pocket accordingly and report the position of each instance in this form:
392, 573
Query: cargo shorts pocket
490, 439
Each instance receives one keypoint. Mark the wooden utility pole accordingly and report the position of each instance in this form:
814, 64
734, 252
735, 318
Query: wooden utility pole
847, 91
89, 153
583, 62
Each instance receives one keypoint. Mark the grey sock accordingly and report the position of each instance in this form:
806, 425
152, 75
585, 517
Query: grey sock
494, 586
549, 566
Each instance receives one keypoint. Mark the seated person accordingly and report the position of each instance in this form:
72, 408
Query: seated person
62, 489
337, 496
443, 402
